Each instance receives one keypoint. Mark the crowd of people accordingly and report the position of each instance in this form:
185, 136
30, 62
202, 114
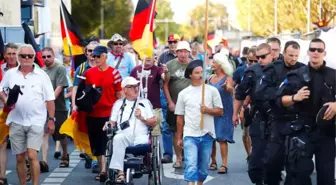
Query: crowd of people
275, 98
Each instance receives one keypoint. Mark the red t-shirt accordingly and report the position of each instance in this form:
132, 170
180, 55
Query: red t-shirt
110, 81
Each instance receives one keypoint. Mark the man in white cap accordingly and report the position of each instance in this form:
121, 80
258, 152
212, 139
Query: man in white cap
117, 59
174, 83
132, 122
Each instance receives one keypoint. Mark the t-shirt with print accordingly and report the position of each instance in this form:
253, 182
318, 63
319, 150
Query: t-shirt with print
188, 104
58, 77
110, 82
153, 83
138, 128
177, 81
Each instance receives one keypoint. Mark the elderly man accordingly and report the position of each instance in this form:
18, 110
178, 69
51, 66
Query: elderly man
117, 58
28, 118
132, 122
109, 80
154, 76
174, 83
10, 57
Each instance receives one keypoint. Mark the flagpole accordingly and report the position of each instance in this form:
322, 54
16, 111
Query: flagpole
67, 35
205, 46
146, 46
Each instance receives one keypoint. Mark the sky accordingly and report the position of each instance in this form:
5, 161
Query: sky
181, 8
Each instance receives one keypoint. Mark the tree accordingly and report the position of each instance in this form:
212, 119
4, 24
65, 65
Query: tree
164, 11
217, 19
292, 15
117, 15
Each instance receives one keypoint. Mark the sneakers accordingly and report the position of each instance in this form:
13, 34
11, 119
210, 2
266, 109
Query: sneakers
95, 167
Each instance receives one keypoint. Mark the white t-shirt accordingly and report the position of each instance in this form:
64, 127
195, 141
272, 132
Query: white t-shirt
30, 109
188, 104
138, 128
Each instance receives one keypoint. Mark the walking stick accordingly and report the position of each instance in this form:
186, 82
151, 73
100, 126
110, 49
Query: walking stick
205, 46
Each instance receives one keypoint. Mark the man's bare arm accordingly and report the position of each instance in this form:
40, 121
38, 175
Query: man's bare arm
166, 87
51, 108
179, 125
57, 91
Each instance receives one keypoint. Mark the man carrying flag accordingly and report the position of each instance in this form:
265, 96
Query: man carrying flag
29, 39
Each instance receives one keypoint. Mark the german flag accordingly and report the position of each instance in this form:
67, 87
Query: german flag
141, 33
69, 26
2, 49
30, 39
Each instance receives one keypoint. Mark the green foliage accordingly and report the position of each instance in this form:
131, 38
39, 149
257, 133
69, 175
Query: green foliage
117, 15
292, 15
217, 18
164, 11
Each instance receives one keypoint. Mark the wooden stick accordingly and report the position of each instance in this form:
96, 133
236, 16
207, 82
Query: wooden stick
205, 46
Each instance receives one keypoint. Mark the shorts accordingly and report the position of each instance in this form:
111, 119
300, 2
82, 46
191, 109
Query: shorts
97, 137
23, 137
158, 115
171, 121
60, 116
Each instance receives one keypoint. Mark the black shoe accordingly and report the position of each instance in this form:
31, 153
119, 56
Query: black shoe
57, 155
166, 159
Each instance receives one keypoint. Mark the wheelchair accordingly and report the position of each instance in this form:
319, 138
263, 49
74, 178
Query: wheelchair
139, 160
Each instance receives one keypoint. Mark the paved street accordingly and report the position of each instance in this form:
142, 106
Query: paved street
77, 174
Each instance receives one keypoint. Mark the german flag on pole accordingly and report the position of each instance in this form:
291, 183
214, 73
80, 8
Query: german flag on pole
2, 49
30, 39
70, 29
141, 33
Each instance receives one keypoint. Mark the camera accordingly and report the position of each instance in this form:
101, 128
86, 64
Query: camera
124, 125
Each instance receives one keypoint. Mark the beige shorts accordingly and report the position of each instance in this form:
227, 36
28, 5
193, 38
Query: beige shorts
23, 137
156, 130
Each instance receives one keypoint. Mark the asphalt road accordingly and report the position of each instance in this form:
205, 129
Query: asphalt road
77, 174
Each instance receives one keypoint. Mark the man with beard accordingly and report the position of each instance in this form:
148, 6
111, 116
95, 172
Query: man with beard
57, 75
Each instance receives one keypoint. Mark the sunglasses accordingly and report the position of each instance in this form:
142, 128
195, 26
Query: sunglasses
118, 43
172, 42
95, 56
89, 50
30, 56
320, 50
46, 56
262, 56
132, 86
252, 61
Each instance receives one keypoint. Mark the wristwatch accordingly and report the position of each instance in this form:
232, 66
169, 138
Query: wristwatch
52, 119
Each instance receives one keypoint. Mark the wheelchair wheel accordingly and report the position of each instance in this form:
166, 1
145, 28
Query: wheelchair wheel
129, 177
156, 164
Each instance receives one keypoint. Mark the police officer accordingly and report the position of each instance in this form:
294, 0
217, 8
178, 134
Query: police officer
304, 91
247, 88
273, 75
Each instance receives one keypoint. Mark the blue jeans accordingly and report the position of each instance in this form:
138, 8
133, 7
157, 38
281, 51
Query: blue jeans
197, 152
167, 135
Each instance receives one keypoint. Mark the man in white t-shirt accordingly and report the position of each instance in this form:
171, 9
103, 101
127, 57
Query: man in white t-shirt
197, 142
132, 116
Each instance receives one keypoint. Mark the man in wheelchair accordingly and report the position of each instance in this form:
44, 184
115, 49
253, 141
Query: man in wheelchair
131, 116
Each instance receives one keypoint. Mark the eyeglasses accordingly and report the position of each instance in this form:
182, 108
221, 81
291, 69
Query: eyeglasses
30, 56
132, 86
320, 50
118, 43
172, 42
262, 56
95, 56
89, 50
46, 56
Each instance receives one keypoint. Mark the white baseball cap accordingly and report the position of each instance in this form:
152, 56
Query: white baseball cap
129, 81
183, 45
116, 37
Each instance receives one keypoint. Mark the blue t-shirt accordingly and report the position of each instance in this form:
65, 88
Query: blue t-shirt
239, 73
78, 70
126, 65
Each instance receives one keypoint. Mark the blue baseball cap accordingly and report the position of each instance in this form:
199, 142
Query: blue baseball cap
97, 51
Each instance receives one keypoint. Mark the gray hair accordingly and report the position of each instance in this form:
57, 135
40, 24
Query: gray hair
24, 46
